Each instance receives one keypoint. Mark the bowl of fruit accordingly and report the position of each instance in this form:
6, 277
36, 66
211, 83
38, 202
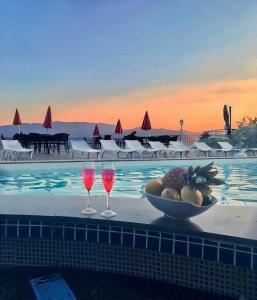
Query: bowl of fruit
183, 193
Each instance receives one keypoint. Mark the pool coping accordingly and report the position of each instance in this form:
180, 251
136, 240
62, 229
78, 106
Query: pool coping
125, 160
231, 224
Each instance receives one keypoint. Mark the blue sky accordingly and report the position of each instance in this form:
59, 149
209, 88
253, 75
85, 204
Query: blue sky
83, 50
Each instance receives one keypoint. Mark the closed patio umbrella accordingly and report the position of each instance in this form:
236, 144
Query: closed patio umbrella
118, 129
146, 125
48, 119
96, 131
226, 119
17, 120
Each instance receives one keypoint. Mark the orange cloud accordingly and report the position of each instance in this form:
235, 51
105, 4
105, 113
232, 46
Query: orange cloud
199, 105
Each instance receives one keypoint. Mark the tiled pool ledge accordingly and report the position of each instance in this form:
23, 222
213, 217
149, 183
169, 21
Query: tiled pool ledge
51, 160
216, 251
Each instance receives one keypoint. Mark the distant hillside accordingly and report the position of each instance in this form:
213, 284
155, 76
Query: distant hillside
80, 129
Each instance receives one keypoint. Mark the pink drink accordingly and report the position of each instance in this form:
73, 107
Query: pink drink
88, 178
108, 179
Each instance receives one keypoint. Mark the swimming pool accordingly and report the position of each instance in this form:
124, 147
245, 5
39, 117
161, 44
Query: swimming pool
240, 176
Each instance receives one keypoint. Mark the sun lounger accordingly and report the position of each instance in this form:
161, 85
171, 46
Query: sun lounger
179, 147
136, 146
110, 146
228, 148
14, 149
207, 150
82, 147
225, 146
158, 146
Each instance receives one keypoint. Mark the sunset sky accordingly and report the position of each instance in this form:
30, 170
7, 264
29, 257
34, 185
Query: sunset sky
101, 60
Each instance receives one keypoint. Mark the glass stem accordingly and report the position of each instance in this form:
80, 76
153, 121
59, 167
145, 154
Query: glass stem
88, 199
108, 201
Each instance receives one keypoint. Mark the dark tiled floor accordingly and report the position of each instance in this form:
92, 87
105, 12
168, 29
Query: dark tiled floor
88, 285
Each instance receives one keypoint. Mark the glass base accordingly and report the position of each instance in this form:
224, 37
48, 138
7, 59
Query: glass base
108, 213
88, 211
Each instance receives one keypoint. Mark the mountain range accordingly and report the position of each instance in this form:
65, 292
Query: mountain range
82, 129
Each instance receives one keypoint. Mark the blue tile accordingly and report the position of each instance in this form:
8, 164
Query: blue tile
23, 231
128, 230
46, 232
195, 240
35, 231
116, 238
80, 235
140, 242
12, 221
153, 243
92, 226
70, 225
104, 237
243, 259
244, 248
255, 262
180, 248
2, 230
81, 225
166, 246
195, 250
104, 227
127, 240
35, 222
226, 256
24, 222
58, 233
225, 245
12, 231
2, 221
139, 231
180, 237
255, 250
209, 242
92, 236
69, 234
166, 235
210, 253
116, 228
154, 233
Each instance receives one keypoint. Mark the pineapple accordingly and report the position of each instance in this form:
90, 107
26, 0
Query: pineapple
193, 184
200, 179
175, 179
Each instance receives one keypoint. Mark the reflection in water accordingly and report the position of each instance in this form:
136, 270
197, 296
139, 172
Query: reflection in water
131, 177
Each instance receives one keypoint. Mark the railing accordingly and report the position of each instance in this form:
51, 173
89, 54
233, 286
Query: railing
189, 139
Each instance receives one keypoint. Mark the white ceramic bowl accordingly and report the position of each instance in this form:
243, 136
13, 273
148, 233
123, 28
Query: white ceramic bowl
178, 210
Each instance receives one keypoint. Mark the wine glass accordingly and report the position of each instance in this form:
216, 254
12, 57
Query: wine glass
88, 174
108, 175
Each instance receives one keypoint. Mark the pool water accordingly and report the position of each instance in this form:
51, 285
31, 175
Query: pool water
240, 176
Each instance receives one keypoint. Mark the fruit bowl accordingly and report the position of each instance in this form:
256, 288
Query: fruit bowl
176, 209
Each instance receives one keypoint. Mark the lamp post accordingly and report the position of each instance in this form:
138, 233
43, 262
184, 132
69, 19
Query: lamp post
181, 122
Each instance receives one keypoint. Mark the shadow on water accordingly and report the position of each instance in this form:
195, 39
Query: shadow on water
89, 285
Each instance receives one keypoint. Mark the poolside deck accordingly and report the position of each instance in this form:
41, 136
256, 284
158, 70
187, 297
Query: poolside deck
66, 157
228, 222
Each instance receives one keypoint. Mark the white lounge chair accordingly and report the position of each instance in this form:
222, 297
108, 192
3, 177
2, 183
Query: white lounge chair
82, 147
207, 150
228, 148
179, 147
110, 146
225, 146
136, 146
14, 149
158, 146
